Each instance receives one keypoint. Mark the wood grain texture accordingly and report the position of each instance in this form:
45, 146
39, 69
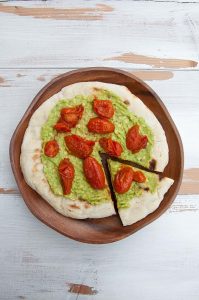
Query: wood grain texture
89, 14
153, 75
168, 30
190, 182
37, 263
155, 62
9, 191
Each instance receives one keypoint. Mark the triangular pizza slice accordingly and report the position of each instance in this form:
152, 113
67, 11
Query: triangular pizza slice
138, 193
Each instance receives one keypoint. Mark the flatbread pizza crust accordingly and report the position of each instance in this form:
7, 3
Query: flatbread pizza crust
30, 159
140, 207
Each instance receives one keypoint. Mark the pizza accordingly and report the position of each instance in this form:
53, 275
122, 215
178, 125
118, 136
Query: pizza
65, 138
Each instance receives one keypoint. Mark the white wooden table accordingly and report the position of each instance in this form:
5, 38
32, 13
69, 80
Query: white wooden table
159, 42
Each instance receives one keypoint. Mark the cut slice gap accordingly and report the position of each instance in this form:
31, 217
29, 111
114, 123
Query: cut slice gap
142, 198
104, 160
132, 164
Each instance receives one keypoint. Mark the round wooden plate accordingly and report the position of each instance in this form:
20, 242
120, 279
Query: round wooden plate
106, 230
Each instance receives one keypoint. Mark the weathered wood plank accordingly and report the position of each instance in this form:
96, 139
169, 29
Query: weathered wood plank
38, 263
179, 93
81, 33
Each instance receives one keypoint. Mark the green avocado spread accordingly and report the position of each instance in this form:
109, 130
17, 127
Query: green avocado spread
122, 119
136, 188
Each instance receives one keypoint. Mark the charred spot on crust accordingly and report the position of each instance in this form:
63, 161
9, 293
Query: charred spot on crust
152, 165
146, 189
87, 205
95, 89
35, 167
74, 206
127, 102
35, 156
81, 199
37, 150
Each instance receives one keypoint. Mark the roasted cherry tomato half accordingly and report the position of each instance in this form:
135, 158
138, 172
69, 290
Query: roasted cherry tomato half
98, 125
134, 140
79, 146
62, 127
67, 173
104, 108
138, 176
111, 147
72, 115
51, 148
123, 180
94, 173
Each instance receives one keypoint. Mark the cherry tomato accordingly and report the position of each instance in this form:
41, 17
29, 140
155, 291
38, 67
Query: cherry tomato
134, 140
138, 176
51, 148
102, 126
79, 146
104, 108
67, 173
94, 173
111, 147
62, 127
123, 180
72, 115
